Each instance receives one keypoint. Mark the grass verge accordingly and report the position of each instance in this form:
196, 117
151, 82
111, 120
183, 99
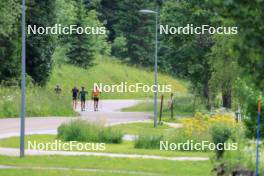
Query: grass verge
143, 128
126, 147
41, 102
183, 106
159, 167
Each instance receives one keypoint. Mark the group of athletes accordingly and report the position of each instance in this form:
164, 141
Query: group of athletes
81, 94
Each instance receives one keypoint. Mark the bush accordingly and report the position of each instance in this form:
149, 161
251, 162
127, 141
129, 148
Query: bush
119, 48
252, 122
239, 162
195, 130
247, 98
180, 136
148, 141
40, 102
220, 134
83, 131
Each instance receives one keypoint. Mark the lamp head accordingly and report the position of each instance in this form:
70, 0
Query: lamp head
145, 11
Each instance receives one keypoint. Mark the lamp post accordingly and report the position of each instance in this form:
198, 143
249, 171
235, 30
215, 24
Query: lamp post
156, 61
23, 81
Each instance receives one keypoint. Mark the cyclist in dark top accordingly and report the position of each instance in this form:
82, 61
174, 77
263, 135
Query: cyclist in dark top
82, 95
75, 92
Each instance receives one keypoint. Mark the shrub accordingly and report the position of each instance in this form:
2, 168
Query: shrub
148, 141
40, 102
181, 136
202, 122
252, 122
195, 130
239, 162
220, 134
119, 47
83, 131
247, 98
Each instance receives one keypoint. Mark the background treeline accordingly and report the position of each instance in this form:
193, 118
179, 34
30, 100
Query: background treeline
225, 70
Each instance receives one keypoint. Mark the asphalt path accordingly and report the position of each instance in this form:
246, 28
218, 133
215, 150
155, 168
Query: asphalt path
109, 114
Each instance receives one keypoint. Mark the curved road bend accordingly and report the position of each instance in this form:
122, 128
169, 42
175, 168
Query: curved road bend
109, 113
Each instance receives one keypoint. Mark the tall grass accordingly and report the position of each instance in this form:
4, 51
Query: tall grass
83, 131
174, 136
110, 71
40, 102
183, 105
148, 141
44, 101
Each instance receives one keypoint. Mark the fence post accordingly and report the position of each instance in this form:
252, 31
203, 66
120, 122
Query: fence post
161, 108
171, 106
258, 137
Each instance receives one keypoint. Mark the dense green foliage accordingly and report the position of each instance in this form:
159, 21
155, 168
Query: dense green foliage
81, 52
220, 135
40, 47
148, 141
41, 102
186, 55
83, 131
9, 42
124, 20
214, 64
183, 106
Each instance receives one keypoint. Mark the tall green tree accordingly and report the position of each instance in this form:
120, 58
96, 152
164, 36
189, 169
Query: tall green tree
108, 14
248, 16
186, 55
225, 68
124, 21
139, 30
40, 48
9, 41
81, 51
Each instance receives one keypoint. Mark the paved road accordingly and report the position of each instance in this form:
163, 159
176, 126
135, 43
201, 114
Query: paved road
109, 113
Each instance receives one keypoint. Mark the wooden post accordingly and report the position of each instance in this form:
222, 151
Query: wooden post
171, 106
161, 108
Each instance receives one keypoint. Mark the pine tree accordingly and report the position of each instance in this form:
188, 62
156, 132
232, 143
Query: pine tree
123, 19
81, 51
9, 42
40, 48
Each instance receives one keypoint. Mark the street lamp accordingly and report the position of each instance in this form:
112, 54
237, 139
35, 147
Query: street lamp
145, 11
23, 81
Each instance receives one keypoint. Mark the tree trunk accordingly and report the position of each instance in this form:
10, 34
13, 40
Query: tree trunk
206, 95
227, 98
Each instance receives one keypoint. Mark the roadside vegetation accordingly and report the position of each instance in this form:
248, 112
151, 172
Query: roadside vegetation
184, 105
106, 164
83, 131
43, 101
219, 128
